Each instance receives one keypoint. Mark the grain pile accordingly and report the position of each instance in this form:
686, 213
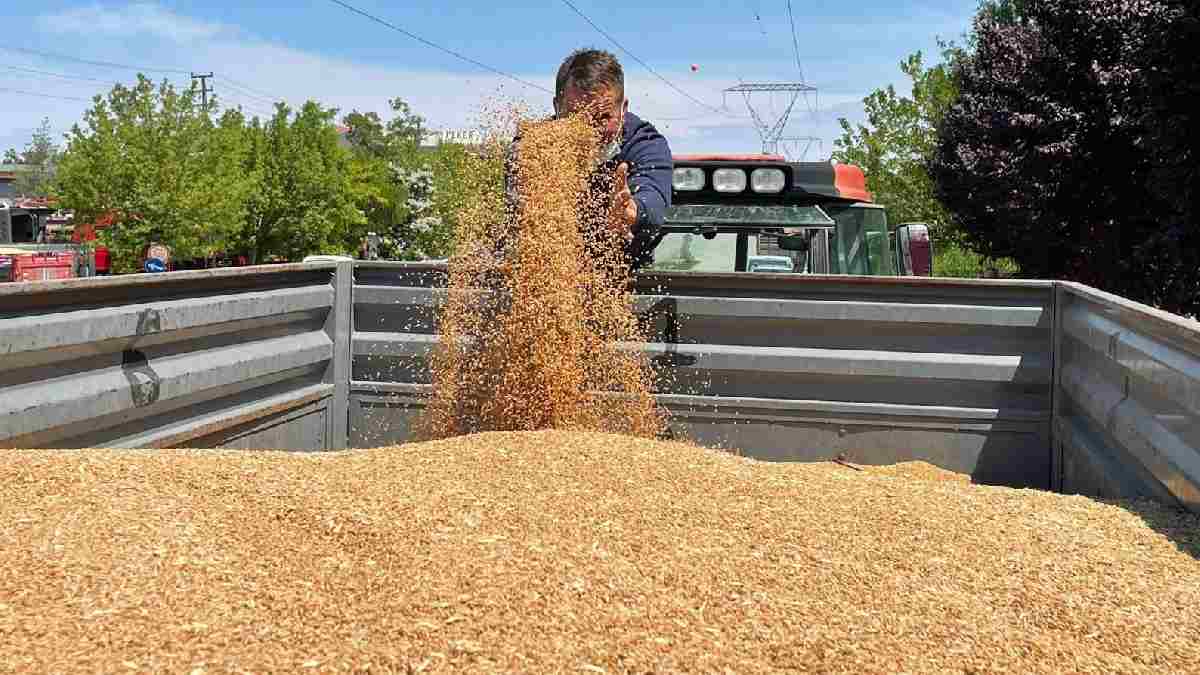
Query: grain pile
538, 304
572, 552
917, 470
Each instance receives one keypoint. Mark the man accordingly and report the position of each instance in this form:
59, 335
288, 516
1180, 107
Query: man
635, 165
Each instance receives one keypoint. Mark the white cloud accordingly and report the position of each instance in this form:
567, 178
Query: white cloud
137, 19
445, 99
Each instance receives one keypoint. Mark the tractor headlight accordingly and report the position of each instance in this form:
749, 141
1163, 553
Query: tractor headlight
767, 180
729, 180
688, 178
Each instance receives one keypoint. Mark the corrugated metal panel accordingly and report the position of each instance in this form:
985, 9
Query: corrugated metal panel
1128, 389
787, 367
188, 357
968, 375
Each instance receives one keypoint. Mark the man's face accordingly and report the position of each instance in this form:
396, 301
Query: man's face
604, 109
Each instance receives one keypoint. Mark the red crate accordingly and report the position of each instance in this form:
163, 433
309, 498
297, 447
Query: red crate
103, 260
43, 266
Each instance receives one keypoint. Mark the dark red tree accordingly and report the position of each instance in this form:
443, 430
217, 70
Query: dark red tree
1068, 145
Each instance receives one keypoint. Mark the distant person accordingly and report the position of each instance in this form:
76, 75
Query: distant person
635, 165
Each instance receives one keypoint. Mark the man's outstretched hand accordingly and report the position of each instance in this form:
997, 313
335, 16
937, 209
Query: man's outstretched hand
624, 208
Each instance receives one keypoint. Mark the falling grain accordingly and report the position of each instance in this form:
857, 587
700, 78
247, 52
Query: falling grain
539, 305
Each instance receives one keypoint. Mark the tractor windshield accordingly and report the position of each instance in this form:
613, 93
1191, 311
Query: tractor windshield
687, 252
730, 237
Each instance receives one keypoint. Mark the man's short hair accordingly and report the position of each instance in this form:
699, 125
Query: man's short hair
589, 70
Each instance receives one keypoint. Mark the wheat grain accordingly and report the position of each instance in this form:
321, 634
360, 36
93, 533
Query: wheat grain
572, 551
539, 348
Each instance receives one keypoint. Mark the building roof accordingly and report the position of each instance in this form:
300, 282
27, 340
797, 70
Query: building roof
30, 203
8, 172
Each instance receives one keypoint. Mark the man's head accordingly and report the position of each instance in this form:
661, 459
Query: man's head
590, 81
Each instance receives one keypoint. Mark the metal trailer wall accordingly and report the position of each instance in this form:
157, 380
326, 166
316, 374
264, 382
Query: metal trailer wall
1127, 404
1039, 384
785, 367
242, 358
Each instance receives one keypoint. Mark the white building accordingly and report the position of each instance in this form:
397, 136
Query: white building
468, 137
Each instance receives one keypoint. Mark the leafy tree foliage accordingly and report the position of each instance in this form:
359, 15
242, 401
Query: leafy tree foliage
414, 237
301, 198
1070, 149
39, 160
167, 172
1171, 118
898, 139
397, 137
412, 195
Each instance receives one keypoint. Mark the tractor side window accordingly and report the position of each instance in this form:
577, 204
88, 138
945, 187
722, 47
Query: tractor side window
844, 256
685, 252
875, 229
859, 244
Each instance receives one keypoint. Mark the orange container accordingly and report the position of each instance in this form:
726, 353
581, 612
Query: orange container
43, 266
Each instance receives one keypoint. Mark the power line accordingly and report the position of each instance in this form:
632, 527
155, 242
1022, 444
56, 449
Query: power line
796, 51
35, 71
235, 98
438, 47
235, 86
645, 65
249, 103
102, 64
795, 42
246, 93
251, 111
251, 90
41, 95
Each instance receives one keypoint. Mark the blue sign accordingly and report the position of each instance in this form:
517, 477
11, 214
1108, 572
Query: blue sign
155, 265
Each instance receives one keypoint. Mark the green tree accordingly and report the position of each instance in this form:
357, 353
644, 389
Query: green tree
398, 137
900, 135
303, 196
38, 162
458, 175
1006, 12
387, 157
161, 166
366, 134
420, 233
375, 195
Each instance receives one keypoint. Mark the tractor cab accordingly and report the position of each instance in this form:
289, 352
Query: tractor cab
761, 213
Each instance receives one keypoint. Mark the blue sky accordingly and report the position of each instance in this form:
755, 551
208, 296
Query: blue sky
320, 50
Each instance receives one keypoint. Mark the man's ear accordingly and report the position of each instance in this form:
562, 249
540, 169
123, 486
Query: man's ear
625, 107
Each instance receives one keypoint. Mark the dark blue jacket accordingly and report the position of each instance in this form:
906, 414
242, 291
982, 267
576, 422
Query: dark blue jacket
650, 169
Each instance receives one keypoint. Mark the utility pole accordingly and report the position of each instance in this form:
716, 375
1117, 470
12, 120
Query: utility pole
203, 86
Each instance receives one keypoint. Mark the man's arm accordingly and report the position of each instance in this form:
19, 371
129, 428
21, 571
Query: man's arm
650, 169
